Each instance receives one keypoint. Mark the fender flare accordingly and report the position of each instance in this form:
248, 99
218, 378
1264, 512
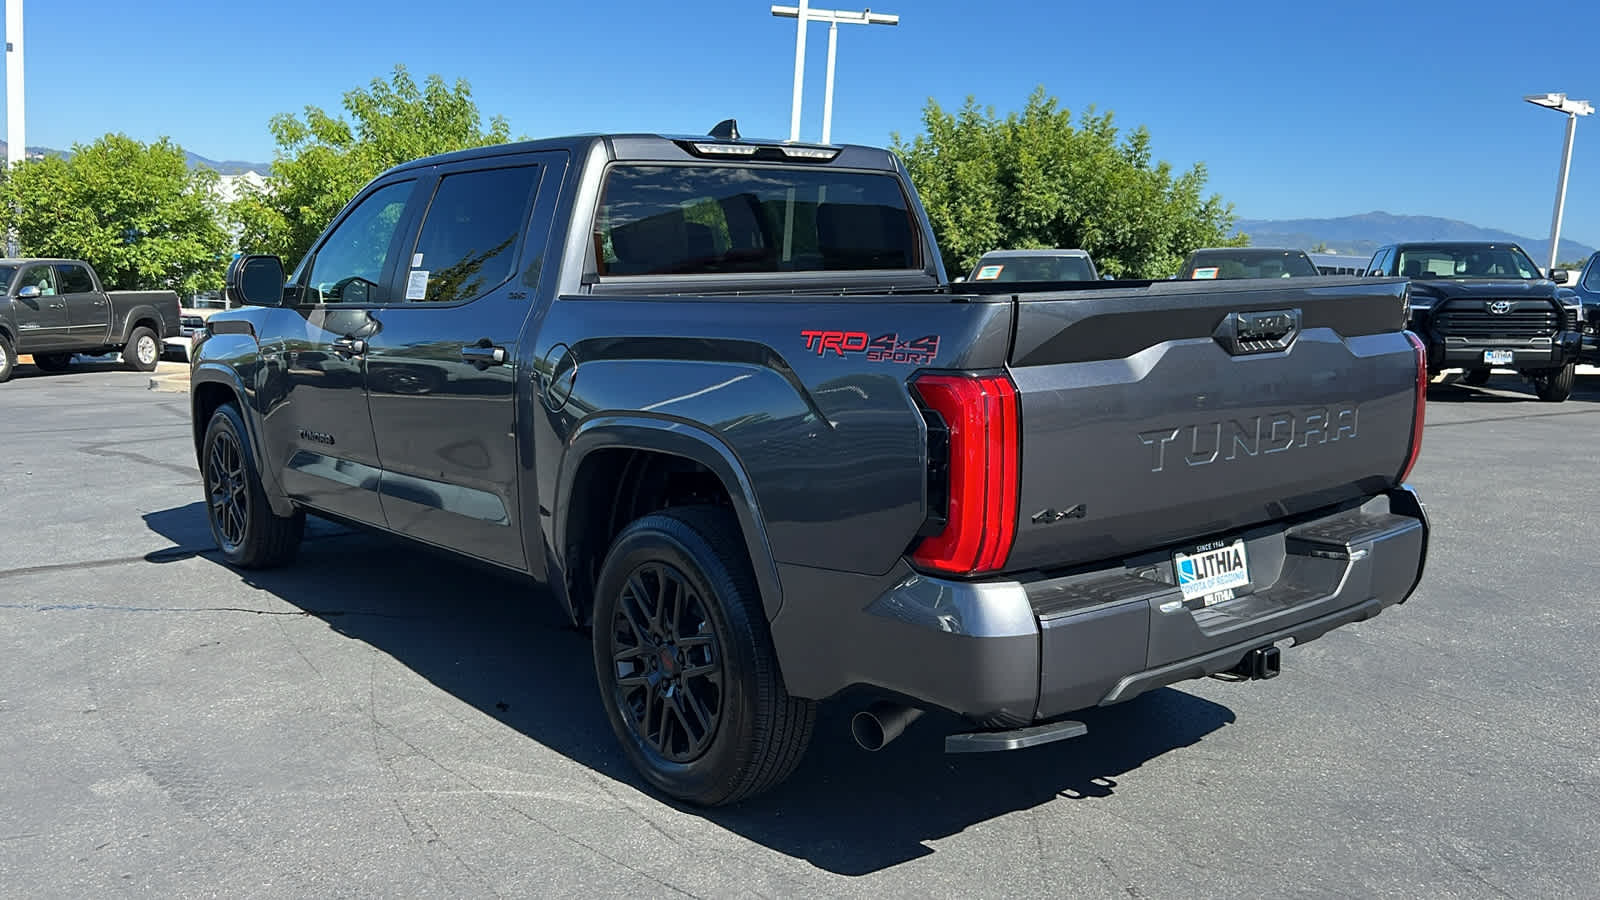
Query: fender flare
228, 377
142, 311
673, 437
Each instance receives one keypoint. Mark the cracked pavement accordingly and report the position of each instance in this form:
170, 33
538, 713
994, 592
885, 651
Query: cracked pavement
378, 721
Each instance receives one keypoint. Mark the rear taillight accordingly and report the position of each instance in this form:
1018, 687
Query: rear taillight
1422, 404
976, 475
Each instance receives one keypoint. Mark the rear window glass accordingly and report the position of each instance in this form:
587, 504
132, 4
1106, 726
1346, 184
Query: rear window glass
703, 220
1033, 268
1250, 264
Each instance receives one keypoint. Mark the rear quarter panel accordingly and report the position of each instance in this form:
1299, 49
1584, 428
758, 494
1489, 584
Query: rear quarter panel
827, 435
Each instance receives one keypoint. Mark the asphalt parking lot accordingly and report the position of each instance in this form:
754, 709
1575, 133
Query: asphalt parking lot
381, 722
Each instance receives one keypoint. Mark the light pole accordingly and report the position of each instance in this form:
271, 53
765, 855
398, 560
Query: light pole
16, 122
1573, 109
834, 17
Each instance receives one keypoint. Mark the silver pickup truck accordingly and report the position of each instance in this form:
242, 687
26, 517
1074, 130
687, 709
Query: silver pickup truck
54, 308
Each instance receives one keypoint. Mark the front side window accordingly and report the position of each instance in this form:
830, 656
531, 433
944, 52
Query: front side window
41, 277
1591, 281
468, 241
703, 220
75, 280
1379, 266
348, 267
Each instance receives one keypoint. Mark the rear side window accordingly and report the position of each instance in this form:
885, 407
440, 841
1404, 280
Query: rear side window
469, 235
703, 220
75, 280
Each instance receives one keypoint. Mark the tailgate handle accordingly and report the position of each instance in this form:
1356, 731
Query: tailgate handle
1263, 331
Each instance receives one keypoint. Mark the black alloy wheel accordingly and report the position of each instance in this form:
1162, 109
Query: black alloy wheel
227, 490
669, 663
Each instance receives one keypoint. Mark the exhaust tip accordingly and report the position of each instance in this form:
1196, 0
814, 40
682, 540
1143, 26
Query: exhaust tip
868, 731
877, 725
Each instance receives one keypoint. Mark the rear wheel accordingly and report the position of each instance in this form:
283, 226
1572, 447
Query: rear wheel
684, 659
1476, 377
142, 351
1556, 386
244, 526
8, 358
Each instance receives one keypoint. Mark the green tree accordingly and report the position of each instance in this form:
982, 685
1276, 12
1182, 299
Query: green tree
136, 212
1034, 179
322, 160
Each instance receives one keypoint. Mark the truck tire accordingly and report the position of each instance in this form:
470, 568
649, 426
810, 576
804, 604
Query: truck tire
52, 362
1556, 386
8, 359
1476, 377
685, 663
142, 351
247, 531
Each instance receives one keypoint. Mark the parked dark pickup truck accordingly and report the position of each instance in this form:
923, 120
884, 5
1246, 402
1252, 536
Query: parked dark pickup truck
1586, 292
1481, 306
55, 307
717, 395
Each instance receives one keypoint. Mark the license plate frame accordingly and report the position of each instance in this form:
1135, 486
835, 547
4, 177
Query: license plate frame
1212, 572
1499, 357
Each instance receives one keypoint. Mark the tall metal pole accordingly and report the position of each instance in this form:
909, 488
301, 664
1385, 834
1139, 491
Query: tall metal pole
1561, 192
833, 17
799, 68
16, 120
827, 100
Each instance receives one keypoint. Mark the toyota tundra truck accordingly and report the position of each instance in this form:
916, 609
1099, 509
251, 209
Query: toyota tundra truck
54, 308
1480, 306
716, 399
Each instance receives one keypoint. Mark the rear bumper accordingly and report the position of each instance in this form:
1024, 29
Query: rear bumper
1005, 654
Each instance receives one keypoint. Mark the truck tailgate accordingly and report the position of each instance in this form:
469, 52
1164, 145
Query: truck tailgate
1186, 411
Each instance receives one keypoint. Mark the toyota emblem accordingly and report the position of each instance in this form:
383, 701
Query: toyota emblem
1500, 307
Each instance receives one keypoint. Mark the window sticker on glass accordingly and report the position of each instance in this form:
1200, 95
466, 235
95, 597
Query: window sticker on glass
988, 273
1206, 272
417, 284
416, 260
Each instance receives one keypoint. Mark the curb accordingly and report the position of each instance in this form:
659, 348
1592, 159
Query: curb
176, 383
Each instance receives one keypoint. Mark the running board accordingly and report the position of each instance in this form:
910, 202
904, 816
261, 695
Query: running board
1016, 739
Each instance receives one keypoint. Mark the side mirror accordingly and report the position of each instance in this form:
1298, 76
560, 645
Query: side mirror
958, 279
28, 292
1559, 276
255, 281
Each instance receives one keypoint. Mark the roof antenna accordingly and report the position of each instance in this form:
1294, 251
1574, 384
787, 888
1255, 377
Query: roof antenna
726, 130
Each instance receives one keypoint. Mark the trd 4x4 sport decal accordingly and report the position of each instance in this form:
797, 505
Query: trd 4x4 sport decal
883, 348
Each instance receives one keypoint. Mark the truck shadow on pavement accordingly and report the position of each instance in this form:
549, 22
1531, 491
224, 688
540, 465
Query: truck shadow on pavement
1508, 389
498, 644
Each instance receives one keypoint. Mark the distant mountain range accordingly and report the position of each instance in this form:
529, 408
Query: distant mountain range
1361, 236
223, 167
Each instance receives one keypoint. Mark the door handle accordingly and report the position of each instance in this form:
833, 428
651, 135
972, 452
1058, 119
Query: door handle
484, 353
350, 346
58, 306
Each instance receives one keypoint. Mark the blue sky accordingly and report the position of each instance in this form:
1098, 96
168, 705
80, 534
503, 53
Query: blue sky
1296, 110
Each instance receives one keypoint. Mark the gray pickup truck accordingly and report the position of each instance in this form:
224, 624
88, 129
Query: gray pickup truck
717, 399
54, 308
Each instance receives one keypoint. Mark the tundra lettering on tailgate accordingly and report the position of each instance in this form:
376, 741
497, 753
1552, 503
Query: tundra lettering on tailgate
1207, 442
